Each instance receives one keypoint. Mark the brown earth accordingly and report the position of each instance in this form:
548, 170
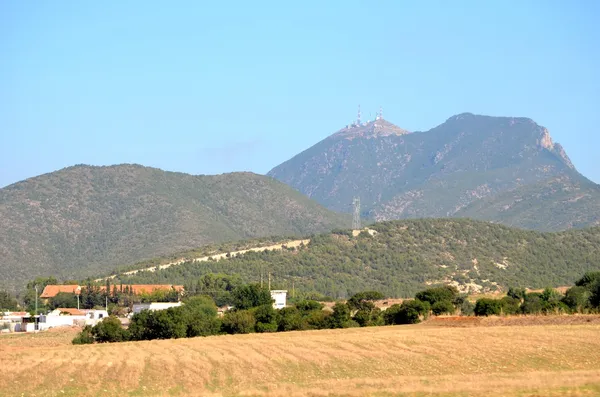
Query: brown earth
560, 359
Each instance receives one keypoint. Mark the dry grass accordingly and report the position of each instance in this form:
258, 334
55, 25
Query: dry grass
421, 360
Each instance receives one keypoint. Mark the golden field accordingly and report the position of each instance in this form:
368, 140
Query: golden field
526, 356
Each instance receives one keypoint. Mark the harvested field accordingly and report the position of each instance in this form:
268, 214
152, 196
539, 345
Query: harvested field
425, 359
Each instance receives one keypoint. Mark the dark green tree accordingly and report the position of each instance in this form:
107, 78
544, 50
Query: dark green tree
488, 307
341, 316
267, 318
7, 302
238, 322
251, 295
109, 330
63, 299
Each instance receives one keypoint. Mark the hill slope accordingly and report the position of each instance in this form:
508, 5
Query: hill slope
80, 220
449, 170
405, 256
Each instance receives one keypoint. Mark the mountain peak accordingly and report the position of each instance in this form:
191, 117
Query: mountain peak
370, 129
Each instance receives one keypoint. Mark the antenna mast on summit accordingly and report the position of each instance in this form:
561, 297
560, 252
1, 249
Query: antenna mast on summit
358, 119
356, 216
380, 112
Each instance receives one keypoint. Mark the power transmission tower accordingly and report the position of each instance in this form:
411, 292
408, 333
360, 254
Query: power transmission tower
356, 217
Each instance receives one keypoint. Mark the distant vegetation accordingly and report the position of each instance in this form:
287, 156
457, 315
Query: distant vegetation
253, 311
84, 220
406, 256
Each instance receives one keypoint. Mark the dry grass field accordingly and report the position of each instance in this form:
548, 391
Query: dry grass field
552, 356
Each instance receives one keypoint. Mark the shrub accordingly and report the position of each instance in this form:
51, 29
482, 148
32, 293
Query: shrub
84, 337
238, 322
249, 296
340, 317
577, 298
110, 330
409, 312
290, 319
588, 280
309, 305
438, 294
487, 307
467, 308
442, 307
532, 304
266, 318
510, 305
516, 293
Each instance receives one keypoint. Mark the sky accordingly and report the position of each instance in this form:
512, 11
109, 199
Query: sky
214, 87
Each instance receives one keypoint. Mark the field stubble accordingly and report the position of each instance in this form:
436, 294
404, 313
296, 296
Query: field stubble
427, 359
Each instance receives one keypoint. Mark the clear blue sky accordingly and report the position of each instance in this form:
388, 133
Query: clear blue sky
245, 85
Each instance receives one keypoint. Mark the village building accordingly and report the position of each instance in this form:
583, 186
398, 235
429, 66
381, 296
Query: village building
279, 297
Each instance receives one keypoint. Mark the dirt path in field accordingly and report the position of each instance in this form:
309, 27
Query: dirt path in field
558, 360
216, 257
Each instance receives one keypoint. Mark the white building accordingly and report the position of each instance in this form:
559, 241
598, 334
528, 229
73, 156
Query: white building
138, 307
280, 298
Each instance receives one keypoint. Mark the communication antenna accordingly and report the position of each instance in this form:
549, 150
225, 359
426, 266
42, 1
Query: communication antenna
358, 119
380, 112
356, 217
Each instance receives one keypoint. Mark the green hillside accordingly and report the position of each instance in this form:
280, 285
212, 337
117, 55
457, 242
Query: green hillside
83, 220
404, 256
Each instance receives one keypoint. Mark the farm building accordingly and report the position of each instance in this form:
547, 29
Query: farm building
153, 306
280, 298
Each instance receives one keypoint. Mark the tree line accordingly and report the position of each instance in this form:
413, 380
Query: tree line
253, 311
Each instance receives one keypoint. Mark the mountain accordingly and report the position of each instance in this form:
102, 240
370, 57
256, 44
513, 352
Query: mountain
405, 256
501, 169
77, 221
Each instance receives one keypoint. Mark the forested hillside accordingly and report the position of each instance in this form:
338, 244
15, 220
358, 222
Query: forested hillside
405, 256
85, 220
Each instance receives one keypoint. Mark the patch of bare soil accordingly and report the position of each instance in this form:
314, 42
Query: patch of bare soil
499, 321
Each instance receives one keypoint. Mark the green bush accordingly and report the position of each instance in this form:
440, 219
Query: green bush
267, 318
577, 299
110, 330
238, 322
84, 337
409, 312
532, 304
488, 307
442, 307
291, 319
510, 305
251, 295
438, 294
467, 308
340, 317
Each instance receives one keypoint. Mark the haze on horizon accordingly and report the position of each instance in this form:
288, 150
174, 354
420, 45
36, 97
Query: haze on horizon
207, 89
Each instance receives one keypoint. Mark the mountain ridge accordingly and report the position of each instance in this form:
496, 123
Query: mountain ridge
435, 173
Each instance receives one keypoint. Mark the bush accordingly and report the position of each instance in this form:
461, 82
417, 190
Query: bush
238, 322
442, 307
467, 308
340, 317
487, 307
438, 294
110, 330
532, 304
290, 319
409, 312
577, 299
510, 305
84, 337
266, 318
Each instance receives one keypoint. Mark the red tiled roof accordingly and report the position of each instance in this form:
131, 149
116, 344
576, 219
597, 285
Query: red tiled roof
50, 291
71, 311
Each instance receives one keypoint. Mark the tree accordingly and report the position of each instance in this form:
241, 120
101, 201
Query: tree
438, 294
84, 337
409, 312
341, 316
363, 300
238, 322
516, 293
7, 302
251, 295
577, 298
216, 285
510, 305
63, 299
488, 307
291, 319
109, 330
442, 307
267, 318
201, 316
532, 304
588, 280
